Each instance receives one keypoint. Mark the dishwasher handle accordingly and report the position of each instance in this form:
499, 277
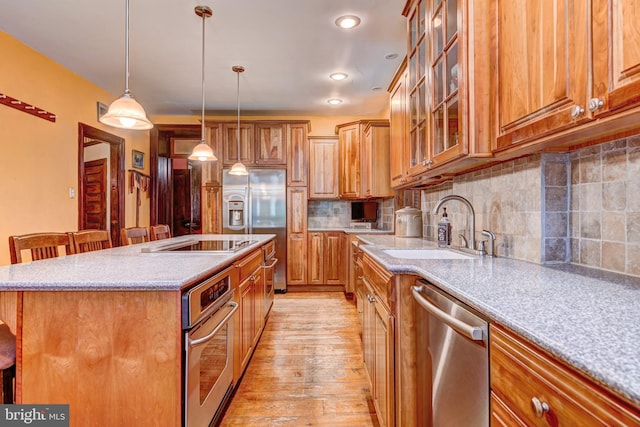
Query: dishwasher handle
474, 333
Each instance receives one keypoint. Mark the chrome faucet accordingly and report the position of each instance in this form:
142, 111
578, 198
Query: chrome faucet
472, 240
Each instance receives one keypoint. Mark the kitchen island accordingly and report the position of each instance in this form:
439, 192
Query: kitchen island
102, 331
588, 319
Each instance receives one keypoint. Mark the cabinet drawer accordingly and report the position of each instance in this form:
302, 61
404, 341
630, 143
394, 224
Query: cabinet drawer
379, 278
523, 377
269, 249
249, 264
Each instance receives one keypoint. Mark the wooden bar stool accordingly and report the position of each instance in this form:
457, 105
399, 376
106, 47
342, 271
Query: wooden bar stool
41, 245
133, 235
90, 240
159, 232
7, 362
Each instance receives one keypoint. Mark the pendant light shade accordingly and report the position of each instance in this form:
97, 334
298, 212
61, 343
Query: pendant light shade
125, 112
238, 168
203, 151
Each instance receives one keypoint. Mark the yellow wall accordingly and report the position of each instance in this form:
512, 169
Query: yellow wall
38, 159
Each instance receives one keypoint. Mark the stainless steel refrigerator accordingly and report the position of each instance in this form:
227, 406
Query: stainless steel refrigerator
257, 204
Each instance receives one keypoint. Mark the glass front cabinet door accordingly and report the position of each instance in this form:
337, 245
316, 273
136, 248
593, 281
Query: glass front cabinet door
449, 84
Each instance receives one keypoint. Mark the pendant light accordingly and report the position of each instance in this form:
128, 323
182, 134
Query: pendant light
203, 151
238, 168
125, 112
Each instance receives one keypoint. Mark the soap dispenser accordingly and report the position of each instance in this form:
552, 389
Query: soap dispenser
444, 230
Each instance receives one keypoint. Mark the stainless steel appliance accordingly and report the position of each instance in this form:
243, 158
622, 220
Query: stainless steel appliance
207, 322
263, 210
270, 262
452, 360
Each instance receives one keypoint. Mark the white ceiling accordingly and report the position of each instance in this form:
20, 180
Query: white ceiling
288, 47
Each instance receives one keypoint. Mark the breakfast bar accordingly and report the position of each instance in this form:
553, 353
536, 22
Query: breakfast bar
102, 331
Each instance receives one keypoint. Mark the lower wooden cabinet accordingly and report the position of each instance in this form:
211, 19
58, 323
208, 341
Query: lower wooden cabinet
250, 316
327, 264
378, 338
296, 235
531, 388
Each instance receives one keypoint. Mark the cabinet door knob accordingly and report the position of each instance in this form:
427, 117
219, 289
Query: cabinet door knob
595, 104
539, 407
576, 111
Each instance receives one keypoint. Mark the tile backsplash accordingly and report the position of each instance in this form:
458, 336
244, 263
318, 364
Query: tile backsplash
581, 207
337, 213
605, 206
507, 201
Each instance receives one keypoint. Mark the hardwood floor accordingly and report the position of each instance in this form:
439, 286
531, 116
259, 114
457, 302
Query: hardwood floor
307, 369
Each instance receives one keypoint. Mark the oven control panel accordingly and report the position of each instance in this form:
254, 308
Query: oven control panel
205, 297
214, 291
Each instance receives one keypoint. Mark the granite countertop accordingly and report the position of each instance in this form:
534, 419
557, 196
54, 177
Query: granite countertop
126, 267
350, 230
586, 317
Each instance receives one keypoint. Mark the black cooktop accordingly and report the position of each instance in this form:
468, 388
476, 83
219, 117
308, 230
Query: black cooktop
205, 246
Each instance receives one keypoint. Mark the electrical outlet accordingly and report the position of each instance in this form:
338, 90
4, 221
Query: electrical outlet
72, 192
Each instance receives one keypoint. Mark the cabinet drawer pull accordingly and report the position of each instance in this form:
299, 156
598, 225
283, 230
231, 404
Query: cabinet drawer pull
539, 407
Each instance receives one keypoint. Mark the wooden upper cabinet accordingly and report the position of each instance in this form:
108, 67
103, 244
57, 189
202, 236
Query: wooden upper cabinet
323, 168
399, 128
297, 152
230, 143
212, 171
271, 144
447, 90
350, 168
616, 64
375, 160
363, 170
542, 63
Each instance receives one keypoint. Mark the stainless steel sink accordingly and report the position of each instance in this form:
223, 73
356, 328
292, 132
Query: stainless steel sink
426, 254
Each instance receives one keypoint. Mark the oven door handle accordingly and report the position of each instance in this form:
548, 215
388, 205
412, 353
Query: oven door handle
194, 343
472, 332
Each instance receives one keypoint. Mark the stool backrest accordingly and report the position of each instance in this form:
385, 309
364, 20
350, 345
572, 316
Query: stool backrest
133, 235
90, 240
41, 245
159, 232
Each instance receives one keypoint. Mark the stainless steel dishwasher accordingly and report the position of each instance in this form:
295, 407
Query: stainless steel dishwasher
452, 360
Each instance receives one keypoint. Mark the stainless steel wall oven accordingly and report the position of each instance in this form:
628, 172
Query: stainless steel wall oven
207, 323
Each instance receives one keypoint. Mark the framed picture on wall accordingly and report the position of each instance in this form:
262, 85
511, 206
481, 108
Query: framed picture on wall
138, 159
102, 109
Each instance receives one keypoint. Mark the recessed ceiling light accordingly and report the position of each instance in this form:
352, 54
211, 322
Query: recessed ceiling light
338, 76
348, 21
335, 101
391, 56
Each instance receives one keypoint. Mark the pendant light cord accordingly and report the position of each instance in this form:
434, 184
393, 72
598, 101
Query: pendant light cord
202, 129
126, 49
238, 100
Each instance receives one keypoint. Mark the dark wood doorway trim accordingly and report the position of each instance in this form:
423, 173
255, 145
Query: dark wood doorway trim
86, 132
